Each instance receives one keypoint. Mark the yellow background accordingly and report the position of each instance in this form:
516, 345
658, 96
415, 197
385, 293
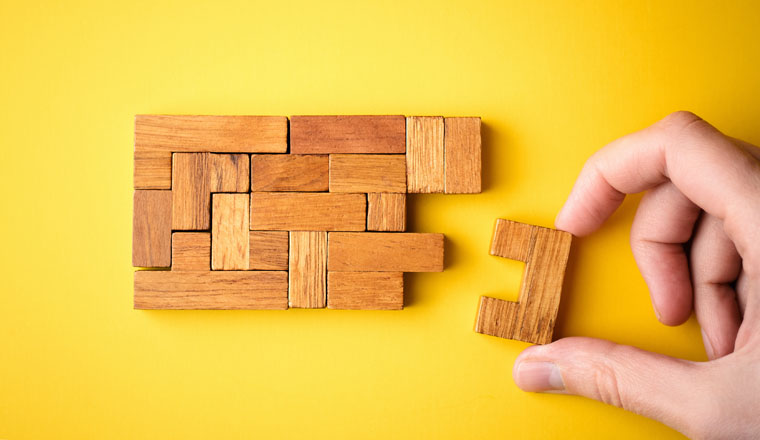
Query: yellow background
553, 82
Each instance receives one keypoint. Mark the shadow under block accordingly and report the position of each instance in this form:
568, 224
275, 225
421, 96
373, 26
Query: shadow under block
386, 212
289, 172
153, 169
268, 250
308, 211
211, 290
152, 228
365, 290
347, 134
545, 252
384, 252
229, 232
191, 198
424, 154
229, 173
462, 154
191, 251
367, 173
307, 270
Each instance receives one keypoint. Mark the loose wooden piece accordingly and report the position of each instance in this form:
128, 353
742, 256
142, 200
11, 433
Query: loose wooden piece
386, 212
211, 290
152, 228
292, 172
385, 252
269, 250
462, 147
308, 211
424, 154
365, 173
365, 290
153, 170
307, 270
545, 252
229, 232
191, 251
229, 173
347, 134
191, 198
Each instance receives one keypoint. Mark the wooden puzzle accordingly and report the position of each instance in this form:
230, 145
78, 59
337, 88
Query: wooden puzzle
266, 212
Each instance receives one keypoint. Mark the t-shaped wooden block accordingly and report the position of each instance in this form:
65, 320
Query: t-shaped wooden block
545, 252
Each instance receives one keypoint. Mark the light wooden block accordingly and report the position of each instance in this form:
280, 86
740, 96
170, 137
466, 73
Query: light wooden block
153, 170
229, 232
229, 173
386, 212
191, 251
268, 250
385, 252
191, 198
366, 173
347, 134
152, 228
289, 172
462, 151
545, 253
308, 211
211, 290
365, 290
424, 154
307, 269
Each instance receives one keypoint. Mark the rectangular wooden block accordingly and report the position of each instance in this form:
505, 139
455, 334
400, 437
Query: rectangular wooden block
220, 134
191, 198
307, 269
347, 134
289, 172
365, 290
308, 211
366, 173
153, 170
229, 232
386, 212
211, 290
191, 251
462, 150
424, 154
229, 173
385, 252
268, 250
152, 228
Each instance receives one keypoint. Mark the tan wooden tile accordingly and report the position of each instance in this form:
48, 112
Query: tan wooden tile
308, 211
386, 212
347, 134
424, 154
385, 252
365, 290
191, 251
269, 250
366, 173
462, 150
289, 172
229, 232
307, 269
152, 228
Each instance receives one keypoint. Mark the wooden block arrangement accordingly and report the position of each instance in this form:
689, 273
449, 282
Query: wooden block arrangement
266, 212
545, 252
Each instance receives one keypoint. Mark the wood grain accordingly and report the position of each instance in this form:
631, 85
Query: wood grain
366, 173
152, 228
211, 290
229, 173
191, 198
229, 232
365, 290
289, 172
424, 154
347, 134
191, 251
386, 212
308, 211
268, 250
385, 252
307, 269
153, 170
462, 151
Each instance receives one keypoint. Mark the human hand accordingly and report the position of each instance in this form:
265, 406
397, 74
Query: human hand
703, 189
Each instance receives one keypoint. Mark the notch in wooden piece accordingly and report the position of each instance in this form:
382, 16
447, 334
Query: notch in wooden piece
152, 228
365, 290
269, 250
191, 251
229, 173
545, 253
368, 173
347, 134
282, 211
229, 232
289, 172
385, 252
386, 212
462, 151
424, 154
307, 270
191, 197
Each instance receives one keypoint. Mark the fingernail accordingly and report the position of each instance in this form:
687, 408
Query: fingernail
708, 348
538, 376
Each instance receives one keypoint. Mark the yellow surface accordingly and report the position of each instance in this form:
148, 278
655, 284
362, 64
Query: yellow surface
553, 81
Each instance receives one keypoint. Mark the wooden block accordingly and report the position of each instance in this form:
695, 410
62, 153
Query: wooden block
220, 134
191, 251
385, 252
269, 250
347, 134
424, 154
191, 198
211, 290
152, 228
365, 290
291, 172
153, 170
462, 147
366, 173
229, 232
545, 252
229, 173
386, 212
307, 269
308, 211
